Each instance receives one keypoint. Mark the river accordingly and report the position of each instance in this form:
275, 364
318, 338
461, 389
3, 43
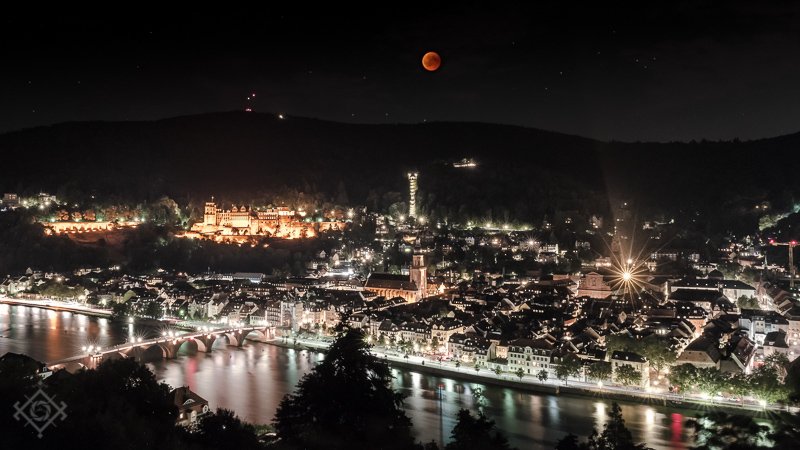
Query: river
252, 380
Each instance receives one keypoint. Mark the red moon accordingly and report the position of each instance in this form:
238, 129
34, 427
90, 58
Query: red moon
431, 61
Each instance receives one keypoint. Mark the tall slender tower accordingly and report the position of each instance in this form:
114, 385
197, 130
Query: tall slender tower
412, 194
419, 274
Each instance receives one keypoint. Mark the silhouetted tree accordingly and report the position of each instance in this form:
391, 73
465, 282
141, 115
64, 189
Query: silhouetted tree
345, 403
476, 433
615, 436
718, 430
224, 430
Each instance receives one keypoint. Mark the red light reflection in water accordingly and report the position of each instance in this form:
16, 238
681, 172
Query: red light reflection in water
191, 370
677, 430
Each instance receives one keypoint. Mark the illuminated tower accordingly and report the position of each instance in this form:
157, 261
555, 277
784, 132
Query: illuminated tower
412, 194
419, 275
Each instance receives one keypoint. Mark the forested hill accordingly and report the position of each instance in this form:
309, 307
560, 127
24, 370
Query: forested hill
522, 170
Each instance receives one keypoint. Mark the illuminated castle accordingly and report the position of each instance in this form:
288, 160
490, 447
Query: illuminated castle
244, 221
243, 217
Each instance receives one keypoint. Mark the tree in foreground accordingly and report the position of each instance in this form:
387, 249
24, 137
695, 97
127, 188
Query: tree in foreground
615, 436
345, 402
718, 430
118, 405
476, 433
224, 430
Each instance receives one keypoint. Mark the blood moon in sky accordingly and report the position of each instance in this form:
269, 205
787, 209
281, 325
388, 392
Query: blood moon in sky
431, 61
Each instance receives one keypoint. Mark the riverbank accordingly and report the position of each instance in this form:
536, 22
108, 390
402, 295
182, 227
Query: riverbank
56, 305
574, 388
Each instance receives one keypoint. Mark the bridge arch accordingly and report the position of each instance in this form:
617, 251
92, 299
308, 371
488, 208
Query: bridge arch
259, 335
191, 343
234, 338
164, 350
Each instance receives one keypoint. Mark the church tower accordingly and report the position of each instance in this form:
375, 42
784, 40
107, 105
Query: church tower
419, 274
210, 213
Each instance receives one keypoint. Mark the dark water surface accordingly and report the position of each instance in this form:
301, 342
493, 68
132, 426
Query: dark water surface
253, 379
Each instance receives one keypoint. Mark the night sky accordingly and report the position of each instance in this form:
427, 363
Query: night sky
682, 71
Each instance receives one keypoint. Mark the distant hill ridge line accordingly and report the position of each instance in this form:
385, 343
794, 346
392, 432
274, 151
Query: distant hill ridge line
243, 152
432, 123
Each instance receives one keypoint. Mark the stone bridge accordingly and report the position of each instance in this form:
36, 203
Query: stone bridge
168, 345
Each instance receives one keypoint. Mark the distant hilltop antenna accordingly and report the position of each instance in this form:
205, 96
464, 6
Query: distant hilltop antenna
412, 194
248, 107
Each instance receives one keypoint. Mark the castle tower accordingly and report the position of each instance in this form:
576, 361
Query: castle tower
210, 213
412, 194
419, 274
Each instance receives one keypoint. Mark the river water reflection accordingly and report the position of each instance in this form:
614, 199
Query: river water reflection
252, 380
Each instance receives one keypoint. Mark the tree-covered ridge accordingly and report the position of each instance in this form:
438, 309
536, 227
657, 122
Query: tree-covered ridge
522, 174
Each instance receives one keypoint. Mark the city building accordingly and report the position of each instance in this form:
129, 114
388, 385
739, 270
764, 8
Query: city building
530, 355
703, 352
593, 285
10, 200
412, 287
190, 406
638, 362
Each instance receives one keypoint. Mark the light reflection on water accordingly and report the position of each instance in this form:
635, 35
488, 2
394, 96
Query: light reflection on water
253, 380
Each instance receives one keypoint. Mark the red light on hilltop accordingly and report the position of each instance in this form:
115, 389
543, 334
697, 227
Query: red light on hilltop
793, 243
772, 241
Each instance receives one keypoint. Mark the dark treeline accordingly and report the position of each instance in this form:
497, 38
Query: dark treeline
523, 173
23, 245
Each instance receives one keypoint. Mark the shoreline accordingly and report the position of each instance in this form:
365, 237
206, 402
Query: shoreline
557, 389
54, 305
578, 390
